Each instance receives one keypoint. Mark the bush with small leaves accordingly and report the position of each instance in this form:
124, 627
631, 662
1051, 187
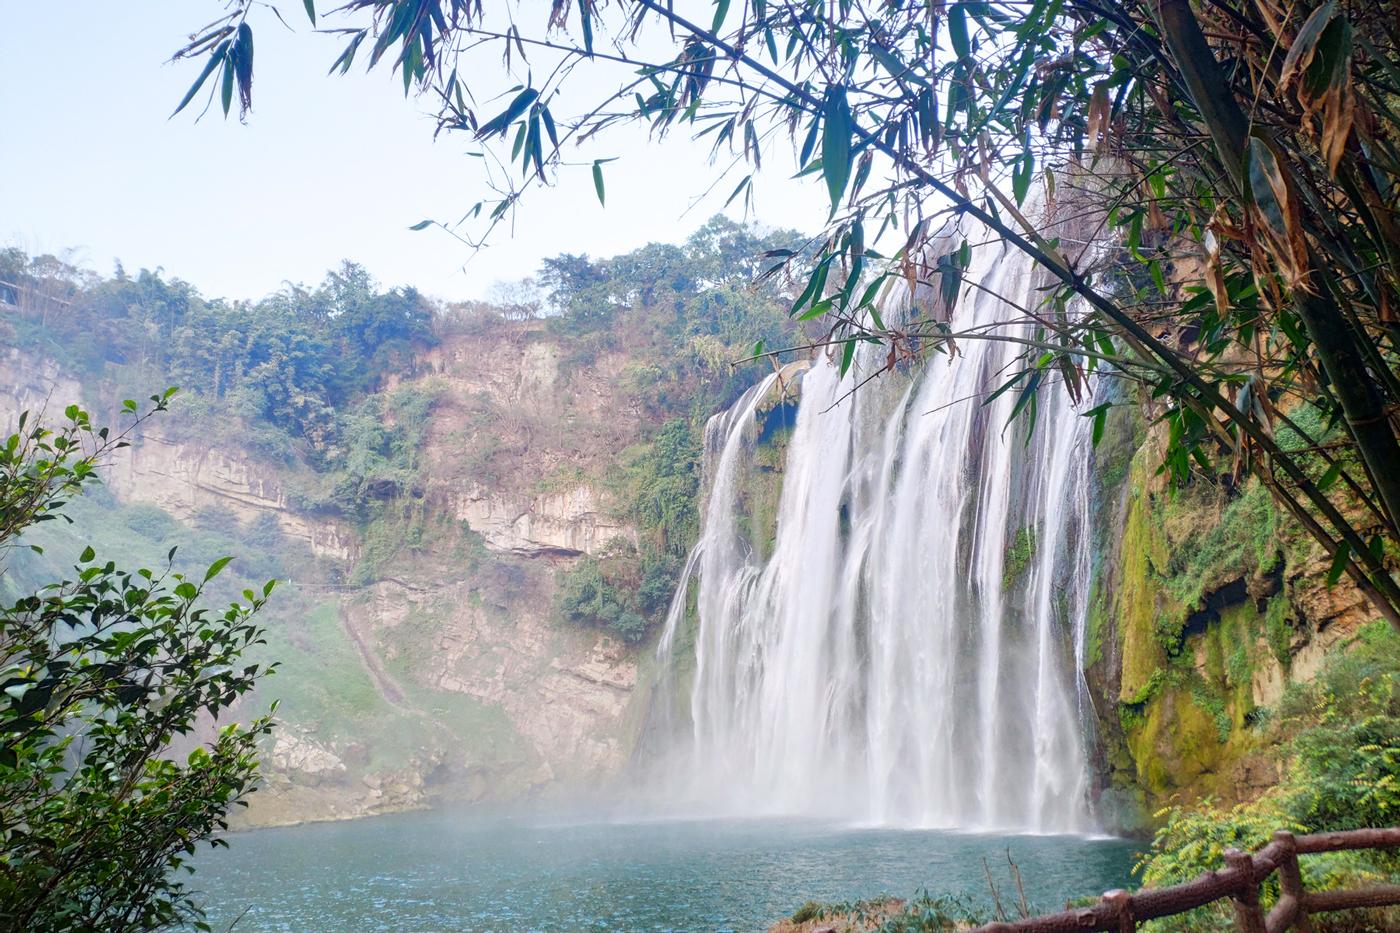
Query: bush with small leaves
118, 753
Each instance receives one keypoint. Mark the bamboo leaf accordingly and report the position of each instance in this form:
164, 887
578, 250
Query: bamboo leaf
549, 126
598, 183
1326, 481
1023, 171
848, 353
1300, 53
836, 143
1027, 395
215, 57
585, 13
957, 31
502, 121
721, 10
739, 189
1339, 563
1269, 194
227, 93
347, 57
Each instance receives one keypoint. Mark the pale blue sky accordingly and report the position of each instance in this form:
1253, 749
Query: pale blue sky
325, 169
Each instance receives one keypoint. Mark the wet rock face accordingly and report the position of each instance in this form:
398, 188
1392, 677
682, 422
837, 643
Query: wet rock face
1211, 605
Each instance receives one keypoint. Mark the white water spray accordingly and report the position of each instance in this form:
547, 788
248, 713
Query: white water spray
910, 652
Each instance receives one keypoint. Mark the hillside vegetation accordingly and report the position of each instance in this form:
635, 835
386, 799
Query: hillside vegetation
479, 506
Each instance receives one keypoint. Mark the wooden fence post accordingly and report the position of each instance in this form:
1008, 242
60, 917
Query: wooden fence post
1119, 911
1248, 917
1121, 903
1293, 899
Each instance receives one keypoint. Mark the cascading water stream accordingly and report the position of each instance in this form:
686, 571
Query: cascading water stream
909, 652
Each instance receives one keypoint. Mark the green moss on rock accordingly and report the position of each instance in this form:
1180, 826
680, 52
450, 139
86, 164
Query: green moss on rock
1139, 593
1018, 556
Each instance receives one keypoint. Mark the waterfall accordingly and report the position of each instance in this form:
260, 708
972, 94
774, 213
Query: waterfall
910, 651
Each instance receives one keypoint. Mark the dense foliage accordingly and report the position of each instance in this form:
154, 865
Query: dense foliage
690, 310
293, 360
623, 591
113, 764
1341, 738
685, 313
921, 914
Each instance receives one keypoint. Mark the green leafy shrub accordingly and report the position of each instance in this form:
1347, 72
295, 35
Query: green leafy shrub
929, 914
1341, 733
624, 591
662, 483
1346, 771
590, 596
1193, 840
103, 675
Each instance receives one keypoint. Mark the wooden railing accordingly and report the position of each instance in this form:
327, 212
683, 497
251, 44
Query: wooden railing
1120, 912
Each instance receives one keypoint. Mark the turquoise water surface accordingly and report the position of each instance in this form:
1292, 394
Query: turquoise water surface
466, 871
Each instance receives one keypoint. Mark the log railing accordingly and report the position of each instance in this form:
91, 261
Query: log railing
1120, 912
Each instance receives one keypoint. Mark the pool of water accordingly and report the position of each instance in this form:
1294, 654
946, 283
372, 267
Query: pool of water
470, 871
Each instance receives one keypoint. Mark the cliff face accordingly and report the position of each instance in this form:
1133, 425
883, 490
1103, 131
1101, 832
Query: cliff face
519, 449
421, 657
182, 477
1208, 604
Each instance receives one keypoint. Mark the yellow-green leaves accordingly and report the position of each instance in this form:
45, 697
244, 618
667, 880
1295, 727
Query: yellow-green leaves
216, 568
836, 143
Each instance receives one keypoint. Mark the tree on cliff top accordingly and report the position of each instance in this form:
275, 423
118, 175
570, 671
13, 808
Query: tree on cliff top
101, 676
1249, 147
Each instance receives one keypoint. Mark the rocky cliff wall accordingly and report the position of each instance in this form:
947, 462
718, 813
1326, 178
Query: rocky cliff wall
422, 657
1208, 603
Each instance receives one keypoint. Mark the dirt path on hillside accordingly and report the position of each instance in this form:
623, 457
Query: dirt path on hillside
388, 689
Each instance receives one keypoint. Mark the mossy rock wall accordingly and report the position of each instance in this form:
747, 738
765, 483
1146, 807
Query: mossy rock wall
1207, 604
